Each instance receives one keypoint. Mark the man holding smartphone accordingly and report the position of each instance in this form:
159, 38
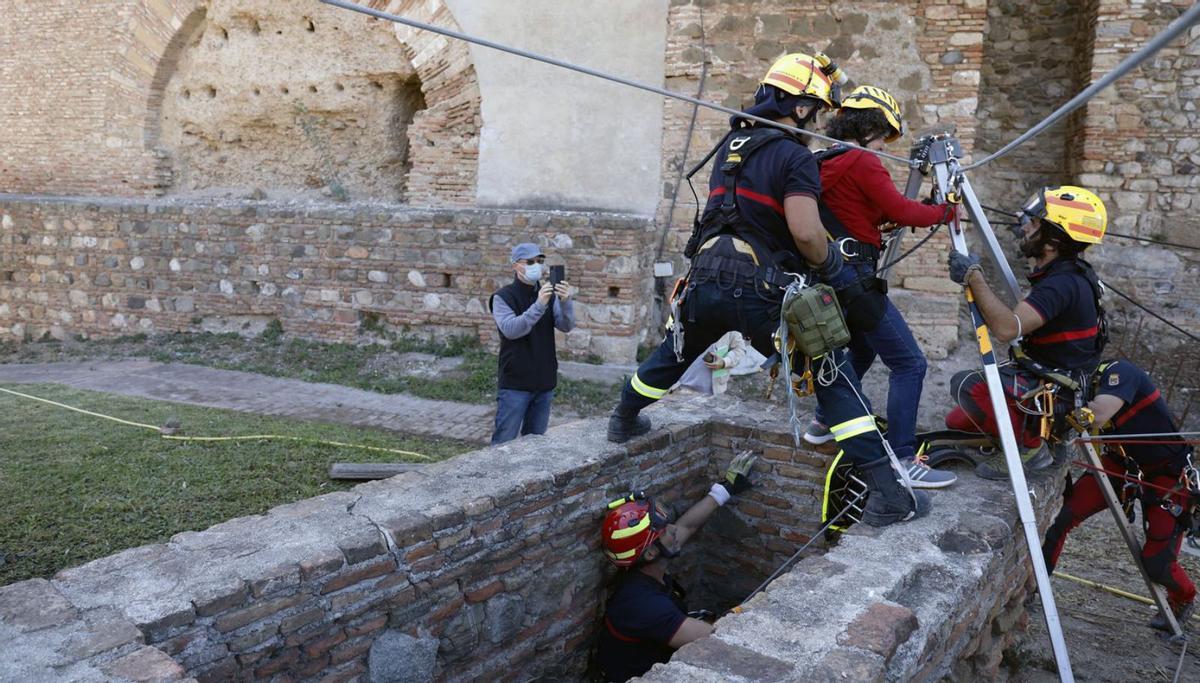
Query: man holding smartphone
528, 369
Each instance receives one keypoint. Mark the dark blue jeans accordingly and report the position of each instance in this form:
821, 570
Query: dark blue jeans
893, 342
521, 413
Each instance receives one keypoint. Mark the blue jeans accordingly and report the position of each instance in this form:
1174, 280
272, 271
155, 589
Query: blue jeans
893, 342
521, 413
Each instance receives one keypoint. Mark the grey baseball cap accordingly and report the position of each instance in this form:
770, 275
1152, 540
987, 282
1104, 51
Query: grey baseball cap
525, 250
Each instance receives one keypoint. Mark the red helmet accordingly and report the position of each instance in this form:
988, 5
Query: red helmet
632, 524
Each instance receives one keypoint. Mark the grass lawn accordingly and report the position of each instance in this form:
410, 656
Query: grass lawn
364, 366
74, 488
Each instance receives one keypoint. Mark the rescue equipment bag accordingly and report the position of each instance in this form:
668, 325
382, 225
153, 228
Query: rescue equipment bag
815, 321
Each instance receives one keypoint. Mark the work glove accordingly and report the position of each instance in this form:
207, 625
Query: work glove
1081, 419
737, 477
962, 265
832, 265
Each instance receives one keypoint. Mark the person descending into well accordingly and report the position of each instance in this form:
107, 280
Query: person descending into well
760, 225
1060, 323
1126, 402
858, 199
646, 618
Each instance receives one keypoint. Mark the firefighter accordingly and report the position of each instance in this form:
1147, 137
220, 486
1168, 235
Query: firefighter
646, 618
760, 225
1060, 323
1127, 402
858, 196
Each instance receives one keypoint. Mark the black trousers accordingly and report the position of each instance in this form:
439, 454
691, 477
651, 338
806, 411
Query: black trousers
715, 307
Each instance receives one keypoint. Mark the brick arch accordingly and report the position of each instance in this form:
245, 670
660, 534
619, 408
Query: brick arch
444, 137
154, 34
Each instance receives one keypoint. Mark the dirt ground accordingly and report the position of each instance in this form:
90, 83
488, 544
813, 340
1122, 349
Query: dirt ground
1106, 635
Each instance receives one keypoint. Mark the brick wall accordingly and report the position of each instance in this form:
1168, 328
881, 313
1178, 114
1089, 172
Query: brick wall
84, 101
111, 267
1137, 147
1030, 68
487, 567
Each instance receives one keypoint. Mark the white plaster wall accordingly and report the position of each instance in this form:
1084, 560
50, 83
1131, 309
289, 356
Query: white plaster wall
554, 138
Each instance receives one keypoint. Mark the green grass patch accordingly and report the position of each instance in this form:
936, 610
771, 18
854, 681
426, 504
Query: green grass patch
75, 488
373, 366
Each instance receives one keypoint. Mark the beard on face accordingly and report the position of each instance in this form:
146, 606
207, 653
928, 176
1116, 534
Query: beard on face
1031, 246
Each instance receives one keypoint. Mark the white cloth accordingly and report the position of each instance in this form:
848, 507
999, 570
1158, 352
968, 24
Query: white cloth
698, 377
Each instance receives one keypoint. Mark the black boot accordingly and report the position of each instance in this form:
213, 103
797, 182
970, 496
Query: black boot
888, 501
623, 426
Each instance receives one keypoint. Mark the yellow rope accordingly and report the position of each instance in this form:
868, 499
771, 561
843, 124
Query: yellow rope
253, 437
1109, 589
79, 410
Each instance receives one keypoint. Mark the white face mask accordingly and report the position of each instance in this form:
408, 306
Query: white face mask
533, 272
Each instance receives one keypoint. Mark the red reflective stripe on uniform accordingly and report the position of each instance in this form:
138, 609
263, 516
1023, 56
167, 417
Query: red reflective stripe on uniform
1071, 204
617, 634
1069, 335
752, 196
1137, 408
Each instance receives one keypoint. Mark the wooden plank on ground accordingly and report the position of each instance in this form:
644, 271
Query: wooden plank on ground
370, 470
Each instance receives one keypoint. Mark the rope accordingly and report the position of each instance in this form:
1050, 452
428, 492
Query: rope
1176, 245
687, 143
906, 254
1114, 437
1126, 477
253, 437
1145, 52
602, 75
1131, 300
787, 563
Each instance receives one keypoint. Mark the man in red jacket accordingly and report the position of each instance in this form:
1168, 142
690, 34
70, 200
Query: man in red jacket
858, 198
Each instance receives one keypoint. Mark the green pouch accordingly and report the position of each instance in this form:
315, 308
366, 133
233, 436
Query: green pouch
815, 321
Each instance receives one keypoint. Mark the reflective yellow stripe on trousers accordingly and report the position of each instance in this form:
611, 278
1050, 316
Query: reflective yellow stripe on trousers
851, 428
645, 389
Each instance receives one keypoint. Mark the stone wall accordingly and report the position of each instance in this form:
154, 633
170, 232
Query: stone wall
487, 567
1137, 145
191, 95
1030, 68
111, 267
260, 96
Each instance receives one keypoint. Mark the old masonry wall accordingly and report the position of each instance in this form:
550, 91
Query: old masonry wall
487, 567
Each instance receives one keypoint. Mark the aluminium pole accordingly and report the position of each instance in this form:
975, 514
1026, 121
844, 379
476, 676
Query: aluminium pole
943, 151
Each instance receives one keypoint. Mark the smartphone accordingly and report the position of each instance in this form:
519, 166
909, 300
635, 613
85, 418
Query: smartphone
557, 274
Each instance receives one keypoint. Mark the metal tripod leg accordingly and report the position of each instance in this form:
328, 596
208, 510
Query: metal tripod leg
1114, 506
943, 154
911, 188
984, 229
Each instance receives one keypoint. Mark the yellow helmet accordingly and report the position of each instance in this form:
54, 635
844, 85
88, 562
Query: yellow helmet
801, 74
870, 97
1074, 210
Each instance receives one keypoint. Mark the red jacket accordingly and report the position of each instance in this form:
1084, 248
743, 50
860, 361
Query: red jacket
860, 192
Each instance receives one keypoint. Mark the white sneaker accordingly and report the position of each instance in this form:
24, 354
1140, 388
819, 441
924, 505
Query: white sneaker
817, 434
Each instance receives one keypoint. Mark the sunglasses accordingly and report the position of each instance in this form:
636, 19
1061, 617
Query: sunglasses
531, 261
